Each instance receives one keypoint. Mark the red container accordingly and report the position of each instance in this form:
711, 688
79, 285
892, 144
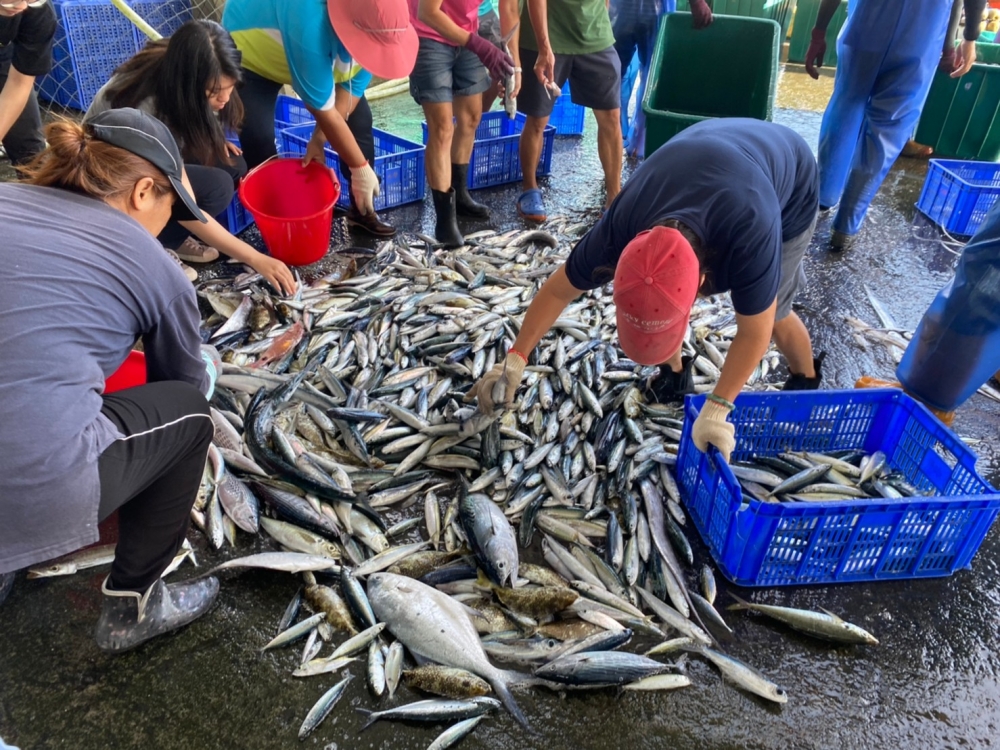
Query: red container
130, 374
293, 208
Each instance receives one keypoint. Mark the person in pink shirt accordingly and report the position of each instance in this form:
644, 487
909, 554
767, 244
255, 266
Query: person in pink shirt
453, 68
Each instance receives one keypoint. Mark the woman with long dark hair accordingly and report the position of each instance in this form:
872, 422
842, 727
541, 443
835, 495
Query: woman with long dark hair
189, 83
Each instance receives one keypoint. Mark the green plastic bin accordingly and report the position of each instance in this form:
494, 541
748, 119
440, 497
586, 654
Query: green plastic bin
805, 18
688, 84
988, 54
961, 118
777, 10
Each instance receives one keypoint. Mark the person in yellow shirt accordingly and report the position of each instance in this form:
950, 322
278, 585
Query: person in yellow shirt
338, 46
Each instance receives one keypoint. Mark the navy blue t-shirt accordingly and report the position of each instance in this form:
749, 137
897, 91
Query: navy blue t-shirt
742, 186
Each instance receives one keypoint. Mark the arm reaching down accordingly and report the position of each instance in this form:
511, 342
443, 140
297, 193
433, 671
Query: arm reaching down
544, 310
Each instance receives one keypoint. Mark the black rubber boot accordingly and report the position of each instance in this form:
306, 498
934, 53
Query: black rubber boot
839, 242
6, 584
668, 386
446, 230
129, 619
465, 204
799, 382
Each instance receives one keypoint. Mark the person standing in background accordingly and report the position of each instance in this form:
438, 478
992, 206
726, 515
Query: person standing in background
26, 34
453, 69
328, 53
489, 29
580, 43
635, 24
886, 57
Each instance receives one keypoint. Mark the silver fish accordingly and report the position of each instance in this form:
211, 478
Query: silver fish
436, 627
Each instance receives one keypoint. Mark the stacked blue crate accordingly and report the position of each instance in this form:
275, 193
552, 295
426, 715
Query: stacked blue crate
93, 38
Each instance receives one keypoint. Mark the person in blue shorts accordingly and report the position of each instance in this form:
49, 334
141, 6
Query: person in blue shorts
338, 46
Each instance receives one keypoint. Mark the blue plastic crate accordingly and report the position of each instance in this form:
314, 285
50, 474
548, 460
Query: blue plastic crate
567, 118
166, 16
957, 195
54, 86
779, 544
236, 218
92, 39
399, 164
495, 158
290, 111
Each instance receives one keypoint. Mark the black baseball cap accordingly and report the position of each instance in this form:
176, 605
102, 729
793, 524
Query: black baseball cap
143, 135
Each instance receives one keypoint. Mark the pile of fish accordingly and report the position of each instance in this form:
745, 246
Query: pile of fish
820, 477
342, 434
893, 337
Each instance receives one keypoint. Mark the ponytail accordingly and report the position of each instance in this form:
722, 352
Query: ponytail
76, 160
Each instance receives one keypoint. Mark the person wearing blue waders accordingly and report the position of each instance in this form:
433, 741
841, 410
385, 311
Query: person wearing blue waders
635, 24
886, 57
956, 347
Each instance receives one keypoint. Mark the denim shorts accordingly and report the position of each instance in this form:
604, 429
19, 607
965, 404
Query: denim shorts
443, 71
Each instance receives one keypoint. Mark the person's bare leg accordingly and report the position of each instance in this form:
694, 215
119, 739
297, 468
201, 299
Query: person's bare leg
468, 113
531, 149
609, 148
440, 134
490, 96
676, 362
792, 339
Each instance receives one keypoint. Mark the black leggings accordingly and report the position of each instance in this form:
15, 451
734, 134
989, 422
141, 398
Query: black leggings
213, 191
24, 140
260, 95
151, 476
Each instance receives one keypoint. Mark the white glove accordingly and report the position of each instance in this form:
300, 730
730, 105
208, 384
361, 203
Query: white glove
511, 370
364, 188
711, 428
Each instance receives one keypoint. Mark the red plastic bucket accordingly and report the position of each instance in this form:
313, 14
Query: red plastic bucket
131, 373
293, 208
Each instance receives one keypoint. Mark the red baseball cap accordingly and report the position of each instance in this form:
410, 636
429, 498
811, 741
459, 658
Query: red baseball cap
656, 283
377, 33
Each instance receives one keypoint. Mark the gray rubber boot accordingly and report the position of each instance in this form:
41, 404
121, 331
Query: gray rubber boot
6, 584
129, 619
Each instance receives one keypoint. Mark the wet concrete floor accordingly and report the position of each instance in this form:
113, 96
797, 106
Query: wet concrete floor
934, 681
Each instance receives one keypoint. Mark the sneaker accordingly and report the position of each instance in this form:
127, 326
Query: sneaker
191, 274
371, 223
193, 251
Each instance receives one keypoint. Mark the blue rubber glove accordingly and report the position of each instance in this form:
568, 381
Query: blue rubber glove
213, 366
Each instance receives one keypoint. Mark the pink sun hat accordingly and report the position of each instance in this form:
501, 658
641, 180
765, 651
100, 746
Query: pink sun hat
377, 33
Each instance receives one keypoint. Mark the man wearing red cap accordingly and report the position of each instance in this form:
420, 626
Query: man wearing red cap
727, 205
328, 53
